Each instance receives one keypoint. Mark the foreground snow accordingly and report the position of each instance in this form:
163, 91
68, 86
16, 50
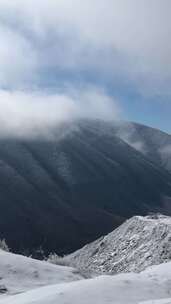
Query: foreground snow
161, 301
138, 243
131, 288
19, 273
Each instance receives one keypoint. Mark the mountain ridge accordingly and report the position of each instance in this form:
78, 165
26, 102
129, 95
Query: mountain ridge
78, 185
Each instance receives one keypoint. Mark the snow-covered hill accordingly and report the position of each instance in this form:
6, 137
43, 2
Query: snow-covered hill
139, 242
136, 244
131, 288
19, 273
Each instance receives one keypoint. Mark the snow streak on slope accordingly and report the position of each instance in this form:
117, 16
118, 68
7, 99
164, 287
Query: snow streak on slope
19, 273
131, 288
136, 244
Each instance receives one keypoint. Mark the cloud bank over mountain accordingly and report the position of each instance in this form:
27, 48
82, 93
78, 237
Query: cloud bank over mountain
33, 114
48, 46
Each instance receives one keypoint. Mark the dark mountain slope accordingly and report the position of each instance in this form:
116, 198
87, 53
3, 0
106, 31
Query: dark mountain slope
64, 192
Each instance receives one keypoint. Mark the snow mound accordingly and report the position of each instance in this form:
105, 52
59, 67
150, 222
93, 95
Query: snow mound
162, 301
19, 273
138, 243
130, 288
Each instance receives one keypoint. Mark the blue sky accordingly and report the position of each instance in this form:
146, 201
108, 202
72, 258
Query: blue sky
72, 58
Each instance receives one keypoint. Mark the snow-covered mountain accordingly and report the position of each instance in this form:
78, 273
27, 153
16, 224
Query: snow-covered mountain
131, 288
135, 245
85, 179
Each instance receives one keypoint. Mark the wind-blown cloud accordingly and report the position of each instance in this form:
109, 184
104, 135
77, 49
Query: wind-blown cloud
127, 132
29, 115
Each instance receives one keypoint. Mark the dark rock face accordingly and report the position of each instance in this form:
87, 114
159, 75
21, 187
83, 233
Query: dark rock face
82, 183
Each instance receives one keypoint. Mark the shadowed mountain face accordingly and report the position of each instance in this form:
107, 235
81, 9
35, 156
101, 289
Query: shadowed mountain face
67, 191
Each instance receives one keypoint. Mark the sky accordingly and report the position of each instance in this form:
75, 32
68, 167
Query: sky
62, 59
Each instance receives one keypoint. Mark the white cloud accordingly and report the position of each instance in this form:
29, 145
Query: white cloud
17, 59
31, 115
75, 34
